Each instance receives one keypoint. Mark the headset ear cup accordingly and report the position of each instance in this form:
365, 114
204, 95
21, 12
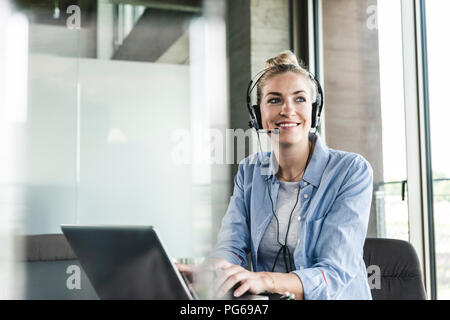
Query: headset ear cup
314, 116
257, 111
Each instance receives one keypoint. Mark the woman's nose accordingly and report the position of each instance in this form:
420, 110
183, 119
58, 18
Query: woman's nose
287, 108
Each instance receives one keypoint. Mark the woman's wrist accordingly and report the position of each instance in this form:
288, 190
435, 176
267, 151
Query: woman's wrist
281, 283
269, 282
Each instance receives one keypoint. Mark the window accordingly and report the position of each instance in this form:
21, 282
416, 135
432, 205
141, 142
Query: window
438, 73
391, 195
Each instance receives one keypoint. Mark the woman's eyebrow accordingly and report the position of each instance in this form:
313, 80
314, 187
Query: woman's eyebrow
279, 94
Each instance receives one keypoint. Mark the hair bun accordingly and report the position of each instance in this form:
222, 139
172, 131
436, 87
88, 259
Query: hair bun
285, 57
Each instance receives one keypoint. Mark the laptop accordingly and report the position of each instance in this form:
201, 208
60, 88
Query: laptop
129, 263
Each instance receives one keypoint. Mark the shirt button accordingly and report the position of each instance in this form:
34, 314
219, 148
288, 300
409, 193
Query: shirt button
305, 196
299, 218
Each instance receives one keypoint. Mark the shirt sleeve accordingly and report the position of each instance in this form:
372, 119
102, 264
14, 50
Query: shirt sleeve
339, 248
234, 236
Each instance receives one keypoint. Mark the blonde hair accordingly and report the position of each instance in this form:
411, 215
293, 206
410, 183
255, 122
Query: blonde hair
285, 61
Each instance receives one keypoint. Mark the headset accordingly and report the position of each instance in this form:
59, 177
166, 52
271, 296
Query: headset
255, 110
256, 123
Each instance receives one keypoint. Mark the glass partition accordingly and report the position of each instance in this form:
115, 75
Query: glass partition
116, 127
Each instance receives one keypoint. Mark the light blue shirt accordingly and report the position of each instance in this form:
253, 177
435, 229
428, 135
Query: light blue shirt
336, 197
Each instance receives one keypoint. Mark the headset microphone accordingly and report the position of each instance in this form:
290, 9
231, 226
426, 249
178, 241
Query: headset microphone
274, 131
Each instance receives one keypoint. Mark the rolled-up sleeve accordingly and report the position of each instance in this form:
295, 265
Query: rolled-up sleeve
338, 251
234, 236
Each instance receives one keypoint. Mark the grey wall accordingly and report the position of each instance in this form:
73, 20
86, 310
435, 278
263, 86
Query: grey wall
239, 59
269, 30
352, 84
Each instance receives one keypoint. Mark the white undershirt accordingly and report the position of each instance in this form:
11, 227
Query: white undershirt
269, 247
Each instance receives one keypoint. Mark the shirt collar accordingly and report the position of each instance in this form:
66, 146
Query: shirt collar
318, 162
314, 170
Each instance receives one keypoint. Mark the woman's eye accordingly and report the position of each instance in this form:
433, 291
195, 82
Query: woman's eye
300, 99
274, 100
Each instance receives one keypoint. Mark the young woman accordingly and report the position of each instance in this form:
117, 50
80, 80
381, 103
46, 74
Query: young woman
304, 224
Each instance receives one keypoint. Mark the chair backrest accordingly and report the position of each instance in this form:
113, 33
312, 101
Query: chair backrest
400, 272
47, 262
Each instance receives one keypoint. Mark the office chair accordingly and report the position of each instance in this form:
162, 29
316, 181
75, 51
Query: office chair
401, 276
46, 258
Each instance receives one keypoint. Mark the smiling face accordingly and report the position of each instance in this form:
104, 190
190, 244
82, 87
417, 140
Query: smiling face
286, 103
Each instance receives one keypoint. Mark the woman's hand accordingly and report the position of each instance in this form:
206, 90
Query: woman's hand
230, 275
192, 271
189, 270
201, 276
226, 276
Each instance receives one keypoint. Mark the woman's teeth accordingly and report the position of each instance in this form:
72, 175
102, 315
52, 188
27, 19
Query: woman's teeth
288, 125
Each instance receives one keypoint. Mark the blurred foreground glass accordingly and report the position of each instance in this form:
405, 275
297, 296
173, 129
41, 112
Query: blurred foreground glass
13, 117
108, 88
